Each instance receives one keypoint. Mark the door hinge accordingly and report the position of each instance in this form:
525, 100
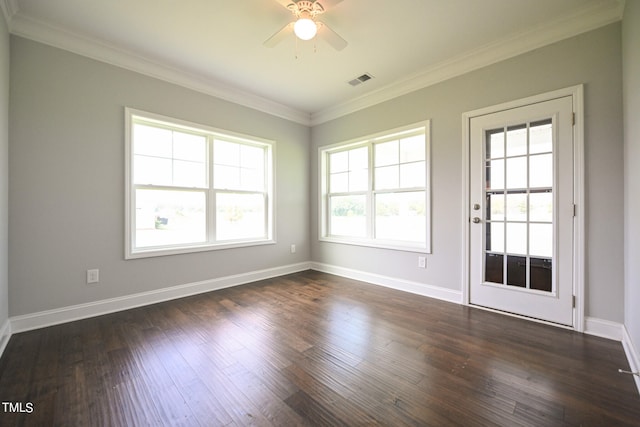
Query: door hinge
575, 210
574, 301
573, 119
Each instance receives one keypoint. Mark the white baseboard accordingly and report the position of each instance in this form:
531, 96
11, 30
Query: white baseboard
82, 311
392, 282
603, 328
632, 355
5, 334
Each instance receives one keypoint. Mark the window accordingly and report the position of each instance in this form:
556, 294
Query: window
193, 188
375, 191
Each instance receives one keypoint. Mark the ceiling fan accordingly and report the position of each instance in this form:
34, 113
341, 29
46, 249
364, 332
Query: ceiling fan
306, 26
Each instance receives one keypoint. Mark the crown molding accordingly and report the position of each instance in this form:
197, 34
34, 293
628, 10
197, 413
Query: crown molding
585, 20
95, 49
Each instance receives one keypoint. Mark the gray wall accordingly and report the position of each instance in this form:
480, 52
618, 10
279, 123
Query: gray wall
67, 181
631, 79
593, 58
4, 172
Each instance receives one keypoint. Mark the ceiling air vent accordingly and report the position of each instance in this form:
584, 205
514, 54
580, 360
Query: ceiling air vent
360, 79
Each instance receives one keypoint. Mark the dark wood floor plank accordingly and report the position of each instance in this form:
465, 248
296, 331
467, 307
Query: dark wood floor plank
314, 349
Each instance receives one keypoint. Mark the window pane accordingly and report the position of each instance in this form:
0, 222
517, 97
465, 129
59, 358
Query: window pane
339, 182
358, 180
541, 137
226, 177
170, 217
413, 175
189, 174
516, 140
359, 158
517, 172
152, 141
401, 216
152, 170
541, 174
387, 177
412, 149
252, 157
386, 153
240, 216
189, 147
251, 180
347, 216
339, 162
226, 153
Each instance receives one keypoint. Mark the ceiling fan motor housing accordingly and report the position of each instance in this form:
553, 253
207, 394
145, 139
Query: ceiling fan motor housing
305, 7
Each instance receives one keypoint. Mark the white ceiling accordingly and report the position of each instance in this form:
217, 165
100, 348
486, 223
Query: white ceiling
216, 45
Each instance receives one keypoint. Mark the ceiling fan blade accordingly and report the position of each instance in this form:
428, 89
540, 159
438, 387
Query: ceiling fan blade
329, 4
331, 36
279, 36
285, 3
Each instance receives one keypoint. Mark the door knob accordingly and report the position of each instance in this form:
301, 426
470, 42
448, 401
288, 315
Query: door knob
476, 220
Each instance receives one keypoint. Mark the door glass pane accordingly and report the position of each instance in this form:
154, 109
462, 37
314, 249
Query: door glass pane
541, 137
495, 207
541, 207
517, 207
517, 271
517, 238
541, 277
541, 174
495, 237
517, 172
495, 174
494, 268
517, 140
495, 144
541, 240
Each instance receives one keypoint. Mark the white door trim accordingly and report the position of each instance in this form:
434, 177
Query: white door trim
577, 94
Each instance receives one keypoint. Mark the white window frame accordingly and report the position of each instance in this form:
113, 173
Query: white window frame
133, 116
370, 240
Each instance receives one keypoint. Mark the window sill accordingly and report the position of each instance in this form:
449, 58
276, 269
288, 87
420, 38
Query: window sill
396, 246
179, 250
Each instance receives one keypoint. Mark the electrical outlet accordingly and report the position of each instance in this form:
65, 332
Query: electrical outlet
293, 249
93, 276
422, 262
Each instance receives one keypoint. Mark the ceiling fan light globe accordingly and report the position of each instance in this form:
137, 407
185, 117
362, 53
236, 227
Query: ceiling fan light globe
305, 29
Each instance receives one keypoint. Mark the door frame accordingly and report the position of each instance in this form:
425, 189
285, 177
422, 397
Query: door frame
577, 94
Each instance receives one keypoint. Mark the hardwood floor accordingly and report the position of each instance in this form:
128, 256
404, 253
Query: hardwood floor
314, 349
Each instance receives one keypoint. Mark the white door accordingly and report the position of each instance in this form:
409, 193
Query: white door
522, 210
